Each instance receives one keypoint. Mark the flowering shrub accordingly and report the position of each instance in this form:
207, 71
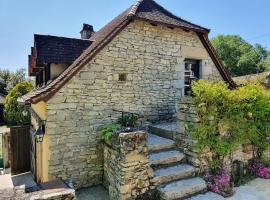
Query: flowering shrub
229, 118
260, 169
220, 183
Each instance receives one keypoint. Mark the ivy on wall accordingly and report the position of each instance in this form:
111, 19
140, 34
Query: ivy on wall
229, 118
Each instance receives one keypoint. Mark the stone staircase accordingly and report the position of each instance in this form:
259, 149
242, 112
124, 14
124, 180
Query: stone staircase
173, 177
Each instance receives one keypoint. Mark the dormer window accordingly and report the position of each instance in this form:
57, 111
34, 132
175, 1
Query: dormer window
192, 72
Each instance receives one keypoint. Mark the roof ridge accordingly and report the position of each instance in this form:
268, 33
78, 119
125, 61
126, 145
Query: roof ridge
134, 8
37, 34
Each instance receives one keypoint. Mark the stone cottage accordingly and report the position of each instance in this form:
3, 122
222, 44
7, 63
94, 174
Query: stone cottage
142, 62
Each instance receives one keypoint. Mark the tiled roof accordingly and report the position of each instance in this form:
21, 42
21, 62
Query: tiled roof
54, 49
143, 9
150, 10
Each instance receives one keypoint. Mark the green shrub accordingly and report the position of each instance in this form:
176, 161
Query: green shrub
13, 112
128, 120
229, 118
108, 131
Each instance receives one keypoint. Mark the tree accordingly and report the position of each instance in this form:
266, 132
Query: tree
14, 113
2, 87
9, 79
238, 56
267, 62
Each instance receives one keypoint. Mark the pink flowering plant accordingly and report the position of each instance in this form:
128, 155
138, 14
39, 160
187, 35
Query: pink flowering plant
260, 169
220, 183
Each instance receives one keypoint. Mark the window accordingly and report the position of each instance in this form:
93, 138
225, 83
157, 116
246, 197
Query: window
192, 72
122, 77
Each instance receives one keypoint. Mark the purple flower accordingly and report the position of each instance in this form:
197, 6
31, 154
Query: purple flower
220, 183
260, 169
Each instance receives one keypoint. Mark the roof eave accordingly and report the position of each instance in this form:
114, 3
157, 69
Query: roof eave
22, 101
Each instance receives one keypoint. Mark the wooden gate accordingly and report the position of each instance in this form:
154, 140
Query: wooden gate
20, 149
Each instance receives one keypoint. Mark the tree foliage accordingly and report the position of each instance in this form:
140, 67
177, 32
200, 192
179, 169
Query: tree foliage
14, 113
8, 79
229, 118
239, 56
267, 62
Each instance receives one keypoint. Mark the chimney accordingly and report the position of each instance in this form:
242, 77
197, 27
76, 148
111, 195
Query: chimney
87, 31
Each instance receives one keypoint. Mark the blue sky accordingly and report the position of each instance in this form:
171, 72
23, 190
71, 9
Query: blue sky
20, 19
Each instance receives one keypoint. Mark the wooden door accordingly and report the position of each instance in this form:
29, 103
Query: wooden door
20, 149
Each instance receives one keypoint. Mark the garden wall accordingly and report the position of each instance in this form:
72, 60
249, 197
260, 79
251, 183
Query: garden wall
126, 166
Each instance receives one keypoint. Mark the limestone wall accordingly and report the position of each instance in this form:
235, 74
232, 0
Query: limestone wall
152, 59
126, 166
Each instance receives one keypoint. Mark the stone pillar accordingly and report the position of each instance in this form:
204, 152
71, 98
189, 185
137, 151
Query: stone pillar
186, 116
126, 166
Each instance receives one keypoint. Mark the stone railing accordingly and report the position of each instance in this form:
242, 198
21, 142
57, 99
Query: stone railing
126, 166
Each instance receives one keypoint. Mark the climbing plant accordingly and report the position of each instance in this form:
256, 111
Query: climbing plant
229, 118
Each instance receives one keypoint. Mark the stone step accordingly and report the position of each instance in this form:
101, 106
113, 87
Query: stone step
156, 143
165, 129
172, 173
182, 188
166, 157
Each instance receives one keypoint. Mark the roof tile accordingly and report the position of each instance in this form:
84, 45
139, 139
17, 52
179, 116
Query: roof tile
54, 49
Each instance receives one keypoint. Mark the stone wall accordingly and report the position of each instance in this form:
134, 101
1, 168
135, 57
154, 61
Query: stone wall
126, 166
152, 59
186, 115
